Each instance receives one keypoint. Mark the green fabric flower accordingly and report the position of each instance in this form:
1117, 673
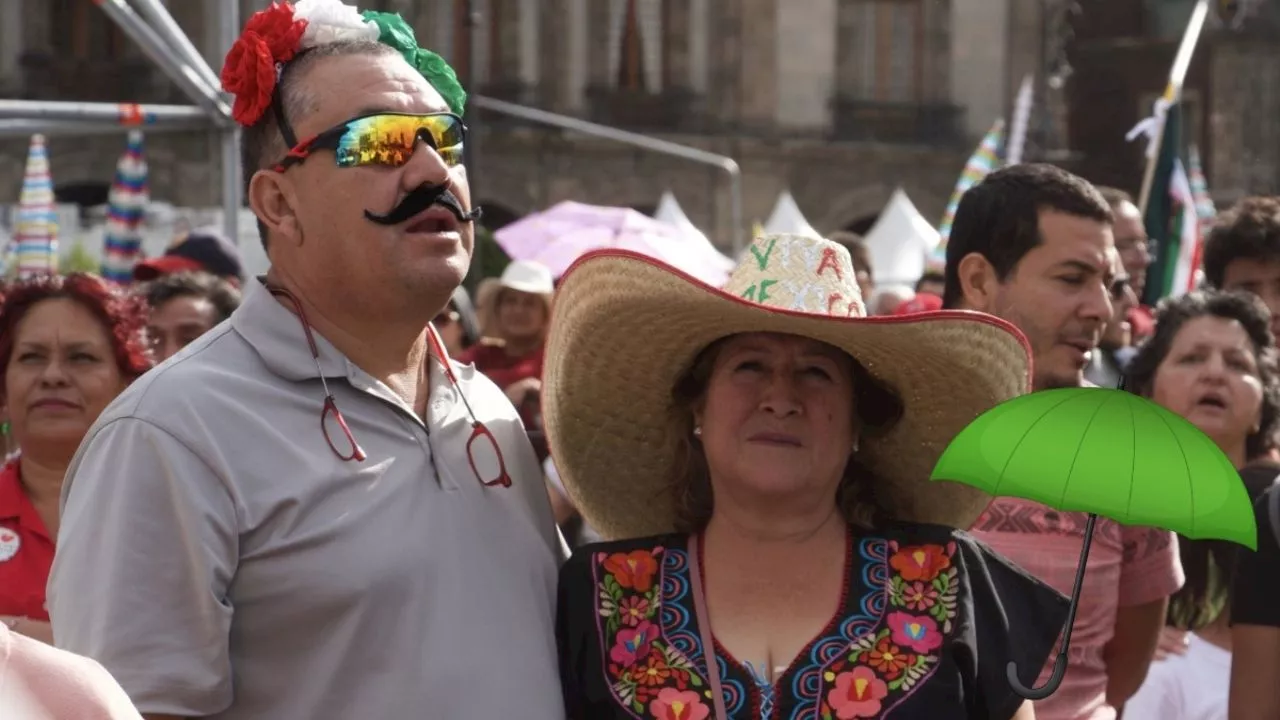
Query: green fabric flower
394, 31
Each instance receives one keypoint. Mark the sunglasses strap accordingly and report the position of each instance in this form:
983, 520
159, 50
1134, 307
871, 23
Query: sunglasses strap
704, 627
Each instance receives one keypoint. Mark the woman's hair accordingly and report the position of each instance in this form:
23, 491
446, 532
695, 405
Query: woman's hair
1210, 564
876, 408
123, 315
1253, 316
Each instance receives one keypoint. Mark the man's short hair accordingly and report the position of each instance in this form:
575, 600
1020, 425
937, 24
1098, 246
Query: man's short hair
858, 252
224, 296
262, 145
1248, 231
1115, 197
999, 218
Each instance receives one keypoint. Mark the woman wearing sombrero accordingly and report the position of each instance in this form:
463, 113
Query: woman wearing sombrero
759, 458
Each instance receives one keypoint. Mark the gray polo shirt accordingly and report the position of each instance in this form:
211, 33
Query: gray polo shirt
220, 561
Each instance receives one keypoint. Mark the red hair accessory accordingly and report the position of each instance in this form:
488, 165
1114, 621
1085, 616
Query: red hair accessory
270, 38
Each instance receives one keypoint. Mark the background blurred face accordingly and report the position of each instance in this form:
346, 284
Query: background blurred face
1059, 295
1131, 244
1210, 377
521, 315
177, 322
778, 416
1118, 332
61, 376
1260, 277
449, 327
340, 247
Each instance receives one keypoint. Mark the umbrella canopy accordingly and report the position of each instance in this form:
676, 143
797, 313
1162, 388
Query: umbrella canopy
1103, 452
126, 205
35, 236
1107, 452
558, 236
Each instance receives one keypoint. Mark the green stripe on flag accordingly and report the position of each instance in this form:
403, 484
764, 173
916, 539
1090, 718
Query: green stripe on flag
1161, 215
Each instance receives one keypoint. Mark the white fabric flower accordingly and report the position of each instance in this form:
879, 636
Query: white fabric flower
331, 21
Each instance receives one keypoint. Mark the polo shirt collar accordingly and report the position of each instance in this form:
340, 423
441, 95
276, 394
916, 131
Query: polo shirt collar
276, 333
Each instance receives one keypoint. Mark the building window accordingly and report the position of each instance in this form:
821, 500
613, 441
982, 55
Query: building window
84, 32
636, 43
891, 36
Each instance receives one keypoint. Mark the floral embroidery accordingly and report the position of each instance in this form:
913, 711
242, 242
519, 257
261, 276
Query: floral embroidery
857, 694
920, 562
646, 670
902, 609
633, 570
881, 668
673, 704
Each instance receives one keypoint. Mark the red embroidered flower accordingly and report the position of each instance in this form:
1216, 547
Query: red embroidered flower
634, 570
888, 658
920, 562
653, 671
249, 72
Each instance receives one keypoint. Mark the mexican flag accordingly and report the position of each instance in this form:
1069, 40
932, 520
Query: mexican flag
1171, 220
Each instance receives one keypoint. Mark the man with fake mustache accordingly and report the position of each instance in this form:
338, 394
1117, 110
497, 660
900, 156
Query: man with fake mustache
311, 512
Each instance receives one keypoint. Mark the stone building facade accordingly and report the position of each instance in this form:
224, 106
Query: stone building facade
838, 101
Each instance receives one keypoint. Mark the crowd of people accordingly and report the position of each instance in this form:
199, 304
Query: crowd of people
349, 488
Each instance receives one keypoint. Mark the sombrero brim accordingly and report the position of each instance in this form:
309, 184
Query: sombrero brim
625, 327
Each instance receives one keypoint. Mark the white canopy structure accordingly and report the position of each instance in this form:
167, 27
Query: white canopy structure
900, 242
670, 212
787, 218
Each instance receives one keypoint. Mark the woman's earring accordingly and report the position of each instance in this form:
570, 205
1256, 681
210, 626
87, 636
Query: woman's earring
697, 431
855, 444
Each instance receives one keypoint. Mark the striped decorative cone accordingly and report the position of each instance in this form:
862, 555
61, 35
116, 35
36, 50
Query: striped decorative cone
35, 235
126, 206
983, 161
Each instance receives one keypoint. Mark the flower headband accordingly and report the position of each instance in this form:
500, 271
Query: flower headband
274, 36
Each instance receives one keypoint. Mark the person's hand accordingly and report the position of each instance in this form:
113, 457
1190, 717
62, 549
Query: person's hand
1172, 642
34, 629
518, 391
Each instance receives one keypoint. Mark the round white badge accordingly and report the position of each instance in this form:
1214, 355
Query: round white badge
9, 544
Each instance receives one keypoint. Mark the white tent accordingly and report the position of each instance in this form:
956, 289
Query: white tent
900, 242
670, 212
787, 218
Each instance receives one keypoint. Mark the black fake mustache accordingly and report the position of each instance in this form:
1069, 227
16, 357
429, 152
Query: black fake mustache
422, 198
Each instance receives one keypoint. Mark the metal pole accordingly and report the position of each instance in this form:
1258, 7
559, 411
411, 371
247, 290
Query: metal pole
232, 184
1173, 95
119, 113
164, 57
26, 128
725, 163
168, 29
473, 116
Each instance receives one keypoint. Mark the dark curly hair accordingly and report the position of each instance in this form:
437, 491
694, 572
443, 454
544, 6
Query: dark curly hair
1242, 307
875, 406
1248, 231
123, 315
224, 296
1210, 564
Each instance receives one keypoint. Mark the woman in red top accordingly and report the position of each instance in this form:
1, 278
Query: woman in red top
68, 346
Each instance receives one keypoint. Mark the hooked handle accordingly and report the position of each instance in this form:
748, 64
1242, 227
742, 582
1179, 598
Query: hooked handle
1050, 686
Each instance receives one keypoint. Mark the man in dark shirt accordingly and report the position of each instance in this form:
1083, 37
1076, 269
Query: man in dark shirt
1255, 619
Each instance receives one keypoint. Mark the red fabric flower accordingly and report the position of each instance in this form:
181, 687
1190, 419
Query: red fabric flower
271, 36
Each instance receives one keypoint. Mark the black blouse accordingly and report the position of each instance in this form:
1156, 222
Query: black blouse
929, 620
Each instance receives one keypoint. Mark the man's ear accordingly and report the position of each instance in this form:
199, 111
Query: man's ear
272, 199
978, 282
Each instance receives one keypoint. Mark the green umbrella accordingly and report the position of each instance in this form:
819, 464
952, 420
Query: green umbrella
1102, 452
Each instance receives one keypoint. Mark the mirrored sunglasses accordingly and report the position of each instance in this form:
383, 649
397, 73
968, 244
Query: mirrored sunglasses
384, 139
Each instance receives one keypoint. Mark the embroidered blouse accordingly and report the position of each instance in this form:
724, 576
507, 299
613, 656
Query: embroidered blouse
929, 620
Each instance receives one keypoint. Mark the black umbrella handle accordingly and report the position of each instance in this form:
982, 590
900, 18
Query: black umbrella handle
1059, 667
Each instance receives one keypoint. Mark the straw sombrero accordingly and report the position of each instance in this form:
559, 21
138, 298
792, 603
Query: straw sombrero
625, 327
